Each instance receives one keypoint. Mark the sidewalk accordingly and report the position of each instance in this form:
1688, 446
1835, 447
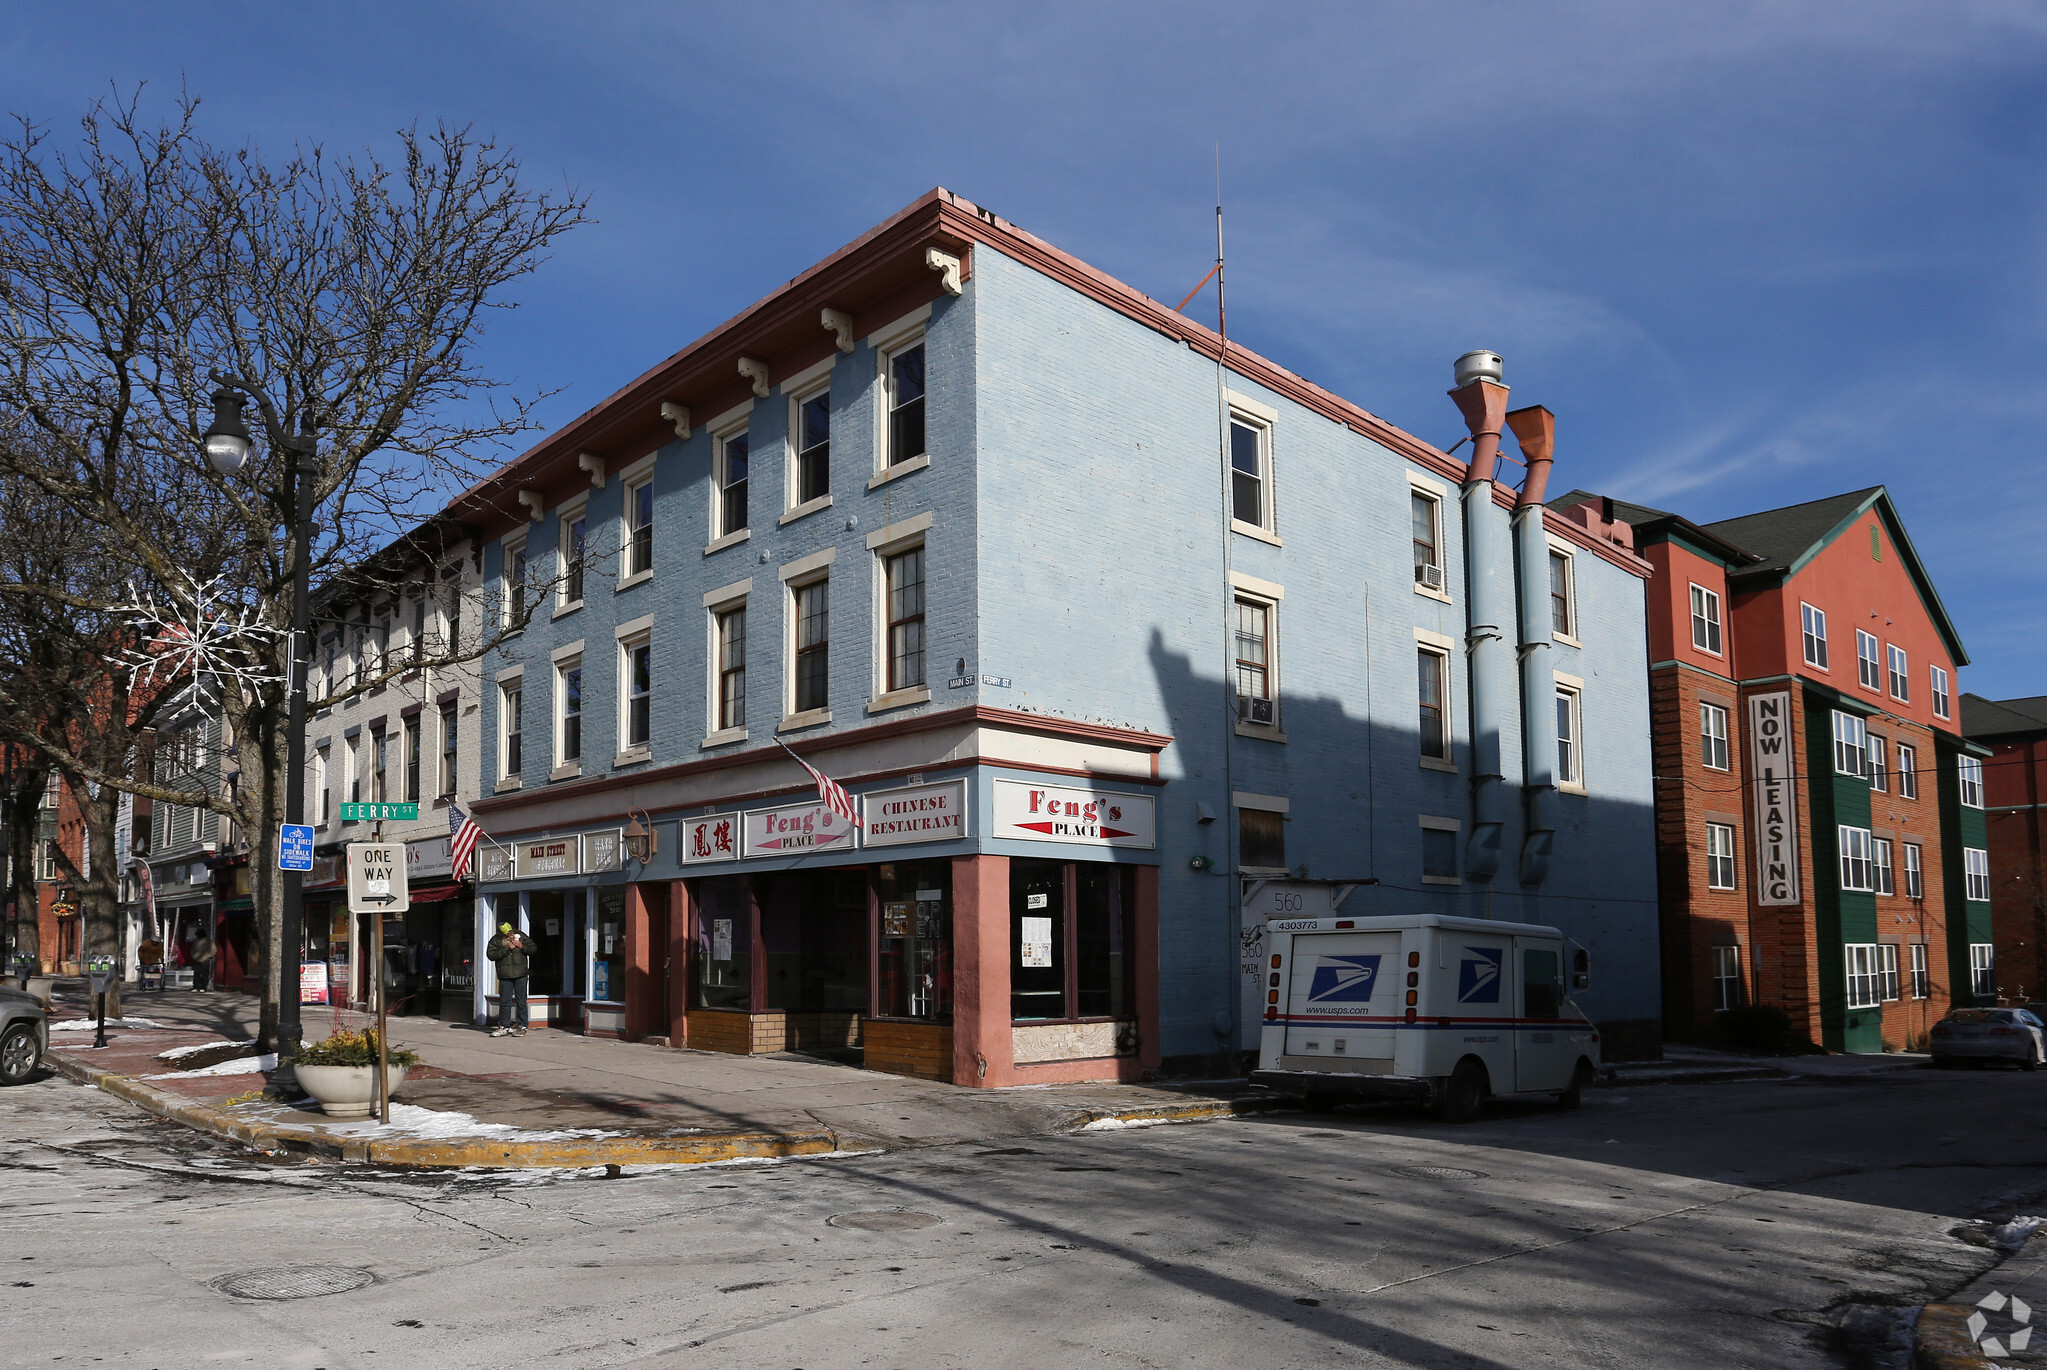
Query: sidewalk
559, 1099
2004, 1299
1689, 1065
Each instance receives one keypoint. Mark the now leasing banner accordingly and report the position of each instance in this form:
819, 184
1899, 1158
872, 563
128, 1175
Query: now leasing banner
1058, 813
1772, 753
798, 828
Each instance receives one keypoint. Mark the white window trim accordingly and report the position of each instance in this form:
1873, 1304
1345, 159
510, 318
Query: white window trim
905, 333
899, 535
1719, 617
563, 660
884, 543
1904, 788
801, 389
568, 512
507, 680
1265, 419
1445, 649
1575, 687
1439, 494
804, 571
1969, 874
1969, 777
729, 427
722, 600
1903, 676
1733, 861
630, 479
1937, 677
1873, 975
1726, 734
1844, 858
1434, 823
1860, 747
1558, 547
1265, 593
1825, 642
638, 633
1883, 861
508, 554
1875, 660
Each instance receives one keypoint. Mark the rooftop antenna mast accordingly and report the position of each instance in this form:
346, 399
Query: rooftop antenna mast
1229, 1032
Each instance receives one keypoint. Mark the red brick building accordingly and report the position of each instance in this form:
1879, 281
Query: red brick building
2015, 780
1819, 816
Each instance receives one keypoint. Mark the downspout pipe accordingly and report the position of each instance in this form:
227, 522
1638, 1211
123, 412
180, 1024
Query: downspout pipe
1535, 429
1481, 397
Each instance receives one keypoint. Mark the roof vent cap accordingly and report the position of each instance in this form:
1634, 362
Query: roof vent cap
1479, 364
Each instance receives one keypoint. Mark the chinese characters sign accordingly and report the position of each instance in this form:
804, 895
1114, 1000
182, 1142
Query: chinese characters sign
715, 838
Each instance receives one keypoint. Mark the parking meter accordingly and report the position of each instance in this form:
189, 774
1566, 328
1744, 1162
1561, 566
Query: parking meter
100, 970
24, 968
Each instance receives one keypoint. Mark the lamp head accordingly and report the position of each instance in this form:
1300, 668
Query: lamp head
226, 439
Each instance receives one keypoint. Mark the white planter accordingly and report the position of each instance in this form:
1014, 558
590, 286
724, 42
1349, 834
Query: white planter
344, 1091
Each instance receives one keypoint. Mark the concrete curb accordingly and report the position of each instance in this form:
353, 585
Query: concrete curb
1944, 1340
1614, 1077
446, 1152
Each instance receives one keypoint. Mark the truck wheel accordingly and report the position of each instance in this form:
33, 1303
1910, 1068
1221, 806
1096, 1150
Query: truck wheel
18, 1054
1574, 1093
1319, 1102
1465, 1093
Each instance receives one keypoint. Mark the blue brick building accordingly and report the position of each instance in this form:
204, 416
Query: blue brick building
1118, 635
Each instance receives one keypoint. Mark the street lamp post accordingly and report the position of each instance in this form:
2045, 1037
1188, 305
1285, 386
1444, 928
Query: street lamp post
226, 442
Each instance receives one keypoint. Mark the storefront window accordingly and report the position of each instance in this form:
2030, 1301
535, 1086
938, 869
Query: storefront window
725, 945
1070, 940
1037, 921
556, 920
607, 959
814, 938
916, 939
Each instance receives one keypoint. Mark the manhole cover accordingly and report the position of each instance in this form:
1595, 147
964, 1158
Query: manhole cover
294, 1282
1437, 1172
884, 1220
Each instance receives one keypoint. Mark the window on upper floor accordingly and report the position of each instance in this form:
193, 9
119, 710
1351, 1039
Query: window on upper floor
1940, 696
1563, 603
639, 524
354, 755
1720, 856
1713, 737
903, 573
811, 610
1983, 968
568, 703
323, 787
511, 730
1868, 672
380, 767
1257, 687
729, 684
1976, 874
412, 759
1887, 967
1250, 472
1908, 771
1915, 872
1922, 981
1705, 620
1900, 675
516, 577
903, 373
451, 608
1851, 745
728, 488
1856, 869
1434, 724
1425, 511
449, 739
813, 426
1570, 735
1969, 770
575, 538
418, 630
1865, 980
1880, 865
636, 721
1879, 773
1814, 630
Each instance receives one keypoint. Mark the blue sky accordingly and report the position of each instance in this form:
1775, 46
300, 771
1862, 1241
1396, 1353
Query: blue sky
1749, 254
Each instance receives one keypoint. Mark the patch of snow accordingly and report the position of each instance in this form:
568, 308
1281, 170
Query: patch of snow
178, 1053
1123, 1124
241, 1065
88, 1024
410, 1121
2016, 1233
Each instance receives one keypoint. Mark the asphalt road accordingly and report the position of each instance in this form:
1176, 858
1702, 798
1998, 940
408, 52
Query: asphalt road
1706, 1225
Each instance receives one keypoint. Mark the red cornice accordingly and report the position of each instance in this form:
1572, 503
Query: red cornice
1012, 719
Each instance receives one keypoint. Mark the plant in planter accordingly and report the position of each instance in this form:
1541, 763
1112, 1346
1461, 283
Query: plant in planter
341, 1072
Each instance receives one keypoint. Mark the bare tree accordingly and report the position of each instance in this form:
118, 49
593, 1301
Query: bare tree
142, 268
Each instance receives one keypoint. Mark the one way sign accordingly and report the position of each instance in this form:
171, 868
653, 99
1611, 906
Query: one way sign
376, 878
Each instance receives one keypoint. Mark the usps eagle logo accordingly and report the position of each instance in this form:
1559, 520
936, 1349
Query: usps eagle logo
1344, 979
1478, 975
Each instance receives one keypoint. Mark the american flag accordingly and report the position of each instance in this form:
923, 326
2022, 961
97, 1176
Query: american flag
463, 835
831, 791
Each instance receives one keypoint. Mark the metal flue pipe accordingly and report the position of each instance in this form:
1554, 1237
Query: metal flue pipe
1535, 429
1481, 398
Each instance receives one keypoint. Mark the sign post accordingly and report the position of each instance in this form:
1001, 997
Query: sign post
377, 885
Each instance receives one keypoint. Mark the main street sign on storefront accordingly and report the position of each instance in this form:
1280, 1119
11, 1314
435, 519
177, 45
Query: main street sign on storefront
379, 813
1059, 813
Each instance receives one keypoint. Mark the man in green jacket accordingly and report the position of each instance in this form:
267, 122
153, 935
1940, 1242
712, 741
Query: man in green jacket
513, 952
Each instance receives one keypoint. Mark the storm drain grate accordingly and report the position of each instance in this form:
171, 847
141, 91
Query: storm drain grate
884, 1220
1437, 1172
294, 1282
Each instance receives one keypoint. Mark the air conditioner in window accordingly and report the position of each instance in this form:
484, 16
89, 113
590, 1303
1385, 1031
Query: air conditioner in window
1254, 710
1430, 577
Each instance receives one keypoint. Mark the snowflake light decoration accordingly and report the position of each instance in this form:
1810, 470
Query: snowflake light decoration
200, 632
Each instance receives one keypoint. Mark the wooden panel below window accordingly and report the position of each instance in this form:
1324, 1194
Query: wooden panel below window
923, 1050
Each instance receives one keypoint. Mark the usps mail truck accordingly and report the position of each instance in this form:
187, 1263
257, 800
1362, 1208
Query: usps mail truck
1443, 1011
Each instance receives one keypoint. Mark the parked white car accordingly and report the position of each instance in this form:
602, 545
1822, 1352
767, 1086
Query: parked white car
1990, 1034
